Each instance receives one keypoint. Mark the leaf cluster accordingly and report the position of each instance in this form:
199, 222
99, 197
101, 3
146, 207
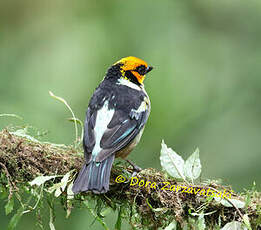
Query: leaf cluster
31, 181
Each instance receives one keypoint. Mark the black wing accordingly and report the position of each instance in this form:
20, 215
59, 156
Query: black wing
89, 137
122, 129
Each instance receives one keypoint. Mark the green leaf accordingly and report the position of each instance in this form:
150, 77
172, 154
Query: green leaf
9, 206
68, 208
95, 216
70, 193
171, 226
106, 211
164, 209
51, 225
201, 222
234, 225
41, 180
171, 162
3, 193
60, 187
57, 188
193, 166
51, 221
237, 203
118, 223
65, 179
246, 221
15, 219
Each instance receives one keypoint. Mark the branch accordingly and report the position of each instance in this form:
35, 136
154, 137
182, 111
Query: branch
151, 194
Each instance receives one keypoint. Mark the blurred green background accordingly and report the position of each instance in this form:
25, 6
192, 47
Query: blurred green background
205, 88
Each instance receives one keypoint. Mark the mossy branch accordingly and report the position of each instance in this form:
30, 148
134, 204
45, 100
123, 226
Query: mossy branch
143, 206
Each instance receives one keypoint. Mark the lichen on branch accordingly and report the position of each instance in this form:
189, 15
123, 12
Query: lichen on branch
149, 199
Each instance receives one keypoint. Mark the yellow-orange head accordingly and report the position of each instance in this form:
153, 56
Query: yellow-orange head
135, 66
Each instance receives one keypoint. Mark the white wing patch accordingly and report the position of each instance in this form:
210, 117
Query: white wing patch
142, 107
123, 81
104, 116
135, 113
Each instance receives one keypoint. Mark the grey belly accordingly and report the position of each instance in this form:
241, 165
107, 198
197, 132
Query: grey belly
123, 153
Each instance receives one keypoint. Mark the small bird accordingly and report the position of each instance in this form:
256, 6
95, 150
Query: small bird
115, 119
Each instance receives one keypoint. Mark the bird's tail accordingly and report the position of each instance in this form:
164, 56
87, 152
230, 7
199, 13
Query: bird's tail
94, 176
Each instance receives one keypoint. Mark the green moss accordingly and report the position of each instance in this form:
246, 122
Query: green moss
142, 204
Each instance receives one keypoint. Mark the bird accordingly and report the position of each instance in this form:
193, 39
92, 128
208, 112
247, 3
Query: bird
115, 119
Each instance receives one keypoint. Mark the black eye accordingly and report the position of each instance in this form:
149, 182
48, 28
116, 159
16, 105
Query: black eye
141, 70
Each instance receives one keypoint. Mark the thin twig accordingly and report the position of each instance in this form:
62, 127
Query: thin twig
67, 105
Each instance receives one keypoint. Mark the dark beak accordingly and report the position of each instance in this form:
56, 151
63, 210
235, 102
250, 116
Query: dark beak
149, 68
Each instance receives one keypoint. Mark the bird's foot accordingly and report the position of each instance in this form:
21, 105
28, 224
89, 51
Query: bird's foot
135, 167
